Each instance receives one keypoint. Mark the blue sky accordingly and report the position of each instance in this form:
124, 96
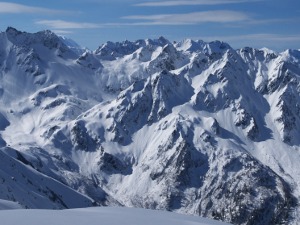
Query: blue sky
257, 23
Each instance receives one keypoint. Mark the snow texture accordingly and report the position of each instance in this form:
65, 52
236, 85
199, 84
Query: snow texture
103, 215
191, 127
5, 205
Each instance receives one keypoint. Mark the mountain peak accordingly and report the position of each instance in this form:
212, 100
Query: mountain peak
12, 30
217, 47
46, 33
190, 45
26, 39
162, 39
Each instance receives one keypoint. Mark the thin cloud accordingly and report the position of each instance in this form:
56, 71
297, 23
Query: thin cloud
193, 2
14, 8
273, 21
218, 16
61, 24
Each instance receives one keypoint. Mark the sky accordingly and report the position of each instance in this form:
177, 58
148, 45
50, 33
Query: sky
256, 23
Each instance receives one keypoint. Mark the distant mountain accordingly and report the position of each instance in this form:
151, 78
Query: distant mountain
190, 127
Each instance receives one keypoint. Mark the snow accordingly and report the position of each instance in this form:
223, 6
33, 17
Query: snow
102, 215
148, 124
73, 45
5, 205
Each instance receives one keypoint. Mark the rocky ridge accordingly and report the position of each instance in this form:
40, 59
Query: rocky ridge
191, 127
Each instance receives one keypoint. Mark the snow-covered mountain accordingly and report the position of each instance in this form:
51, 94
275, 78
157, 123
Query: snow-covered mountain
190, 127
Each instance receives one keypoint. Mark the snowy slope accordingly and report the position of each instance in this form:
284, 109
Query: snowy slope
5, 205
191, 127
71, 44
103, 215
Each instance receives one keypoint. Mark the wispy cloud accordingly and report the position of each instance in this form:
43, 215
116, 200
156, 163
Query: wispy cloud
273, 21
218, 16
62, 24
7, 7
192, 2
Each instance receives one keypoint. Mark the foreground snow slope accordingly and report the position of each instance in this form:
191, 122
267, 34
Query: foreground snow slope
100, 216
190, 127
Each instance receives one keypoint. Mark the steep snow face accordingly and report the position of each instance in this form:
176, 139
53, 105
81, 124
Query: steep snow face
189, 45
22, 183
283, 87
191, 127
71, 44
33, 61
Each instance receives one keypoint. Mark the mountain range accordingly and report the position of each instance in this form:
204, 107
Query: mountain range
191, 127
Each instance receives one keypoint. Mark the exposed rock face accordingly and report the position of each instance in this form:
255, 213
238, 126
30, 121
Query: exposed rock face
191, 127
